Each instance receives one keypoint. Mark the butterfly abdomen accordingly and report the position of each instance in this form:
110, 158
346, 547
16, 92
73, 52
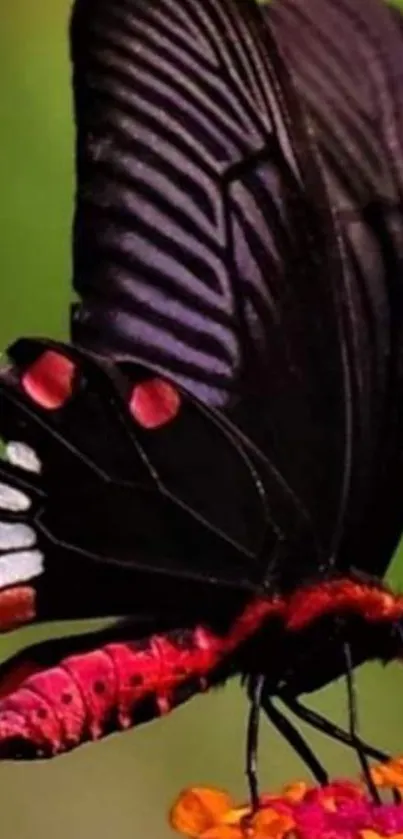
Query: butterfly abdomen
120, 685
87, 696
90, 695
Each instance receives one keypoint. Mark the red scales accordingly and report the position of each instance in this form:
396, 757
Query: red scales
49, 382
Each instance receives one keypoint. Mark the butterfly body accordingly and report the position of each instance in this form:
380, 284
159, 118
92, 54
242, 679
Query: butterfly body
217, 455
231, 630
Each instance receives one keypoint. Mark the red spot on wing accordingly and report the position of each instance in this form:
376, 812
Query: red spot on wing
17, 606
49, 380
154, 403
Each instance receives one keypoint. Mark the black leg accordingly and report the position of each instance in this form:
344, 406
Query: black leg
353, 725
329, 728
255, 692
294, 738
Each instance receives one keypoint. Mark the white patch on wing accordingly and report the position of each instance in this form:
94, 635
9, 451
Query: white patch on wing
20, 567
16, 536
19, 454
13, 499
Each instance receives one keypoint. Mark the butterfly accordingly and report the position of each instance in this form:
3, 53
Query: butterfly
202, 460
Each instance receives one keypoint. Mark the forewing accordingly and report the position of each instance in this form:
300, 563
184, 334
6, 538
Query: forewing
204, 239
346, 62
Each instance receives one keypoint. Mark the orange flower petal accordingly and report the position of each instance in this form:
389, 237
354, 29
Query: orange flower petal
198, 809
290, 794
205, 813
295, 792
388, 774
329, 804
267, 824
235, 815
223, 831
371, 834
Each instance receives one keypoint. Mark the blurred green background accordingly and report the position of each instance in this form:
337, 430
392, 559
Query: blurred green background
123, 786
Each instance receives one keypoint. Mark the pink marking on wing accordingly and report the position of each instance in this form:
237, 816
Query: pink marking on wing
154, 403
17, 606
49, 380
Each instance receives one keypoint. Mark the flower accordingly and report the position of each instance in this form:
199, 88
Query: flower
341, 810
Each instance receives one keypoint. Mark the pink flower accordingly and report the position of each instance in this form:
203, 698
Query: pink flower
341, 810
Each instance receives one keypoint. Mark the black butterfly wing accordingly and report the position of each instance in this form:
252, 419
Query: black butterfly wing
206, 250
138, 490
346, 62
204, 241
